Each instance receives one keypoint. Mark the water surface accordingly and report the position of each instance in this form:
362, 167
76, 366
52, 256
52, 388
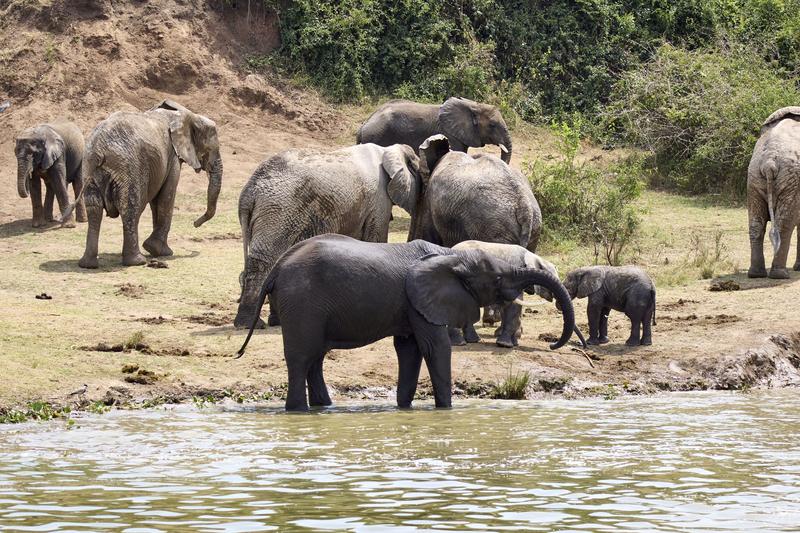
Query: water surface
680, 462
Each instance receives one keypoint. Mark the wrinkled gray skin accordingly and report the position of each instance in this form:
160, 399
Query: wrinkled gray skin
134, 159
627, 288
464, 122
508, 334
474, 197
773, 192
335, 292
297, 194
52, 153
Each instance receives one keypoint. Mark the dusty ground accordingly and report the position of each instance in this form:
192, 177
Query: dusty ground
178, 318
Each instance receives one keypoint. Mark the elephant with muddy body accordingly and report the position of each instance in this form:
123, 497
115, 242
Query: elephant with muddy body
464, 122
134, 159
298, 194
334, 292
773, 192
52, 153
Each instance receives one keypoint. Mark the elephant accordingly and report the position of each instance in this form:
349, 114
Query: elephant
773, 192
511, 329
336, 292
53, 153
133, 159
627, 288
298, 194
464, 122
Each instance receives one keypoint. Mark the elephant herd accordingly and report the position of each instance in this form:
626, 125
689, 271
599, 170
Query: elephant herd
315, 226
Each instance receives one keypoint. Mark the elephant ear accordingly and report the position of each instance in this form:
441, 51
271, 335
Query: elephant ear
435, 289
431, 151
181, 134
402, 166
53, 147
590, 282
458, 118
780, 114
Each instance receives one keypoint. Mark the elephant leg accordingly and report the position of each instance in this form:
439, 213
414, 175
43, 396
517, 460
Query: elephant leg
456, 337
409, 362
131, 254
603, 330
273, 319
647, 327
302, 349
511, 314
434, 345
36, 202
594, 313
162, 207
77, 186
470, 335
94, 212
58, 180
778, 269
757, 214
635, 315
797, 260
317, 390
49, 196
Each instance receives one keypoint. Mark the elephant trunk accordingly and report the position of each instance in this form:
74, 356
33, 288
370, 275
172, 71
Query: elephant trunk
525, 277
505, 142
24, 174
214, 171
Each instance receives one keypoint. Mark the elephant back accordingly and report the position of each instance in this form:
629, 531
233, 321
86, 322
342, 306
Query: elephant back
792, 112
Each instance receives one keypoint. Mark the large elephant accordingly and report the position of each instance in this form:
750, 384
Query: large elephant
464, 122
133, 159
335, 292
773, 192
297, 194
52, 153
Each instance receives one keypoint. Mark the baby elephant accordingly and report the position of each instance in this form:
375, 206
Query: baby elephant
628, 289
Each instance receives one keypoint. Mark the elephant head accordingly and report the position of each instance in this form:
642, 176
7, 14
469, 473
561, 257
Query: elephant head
469, 123
534, 261
194, 139
449, 290
582, 282
36, 149
402, 166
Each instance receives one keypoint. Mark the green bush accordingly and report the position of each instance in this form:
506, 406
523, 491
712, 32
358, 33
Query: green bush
699, 114
582, 203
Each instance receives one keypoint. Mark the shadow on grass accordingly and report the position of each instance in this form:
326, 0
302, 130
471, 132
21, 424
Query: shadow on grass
23, 226
235, 332
108, 263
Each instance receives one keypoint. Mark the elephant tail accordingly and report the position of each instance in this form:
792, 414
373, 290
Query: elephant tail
269, 285
89, 168
769, 170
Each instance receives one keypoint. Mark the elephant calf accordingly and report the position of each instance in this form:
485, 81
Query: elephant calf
509, 332
628, 289
335, 292
52, 153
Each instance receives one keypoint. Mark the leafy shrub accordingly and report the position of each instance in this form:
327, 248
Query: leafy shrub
699, 114
513, 387
583, 203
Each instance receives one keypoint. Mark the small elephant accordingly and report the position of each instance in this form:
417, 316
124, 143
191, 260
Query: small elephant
627, 288
510, 330
464, 122
297, 194
53, 153
134, 159
773, 192
335, 292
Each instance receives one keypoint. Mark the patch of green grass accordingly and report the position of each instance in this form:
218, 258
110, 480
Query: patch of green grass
513, 387
34, 411
135, 340
98, 408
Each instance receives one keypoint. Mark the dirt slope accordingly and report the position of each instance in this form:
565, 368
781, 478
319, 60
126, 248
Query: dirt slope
84, 59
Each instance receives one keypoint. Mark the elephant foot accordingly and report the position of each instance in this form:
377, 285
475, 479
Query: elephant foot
757, 273
136, 259
632, 342
38, 222
594, 341
68, 223
647, 341
506, 341
796, 267
273, 320
88, 262
241, 323
81, 216
471, 336
456, 337
157, 247
778, 273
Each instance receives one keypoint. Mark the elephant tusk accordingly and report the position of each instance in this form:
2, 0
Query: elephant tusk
503, 148
523, 303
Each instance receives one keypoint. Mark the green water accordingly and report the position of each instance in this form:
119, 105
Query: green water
681, 462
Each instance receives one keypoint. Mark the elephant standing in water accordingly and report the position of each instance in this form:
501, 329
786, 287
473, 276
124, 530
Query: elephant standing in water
464, 122
133, 159
53, 153
773, 192
474, 197
297, 194
335, 292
